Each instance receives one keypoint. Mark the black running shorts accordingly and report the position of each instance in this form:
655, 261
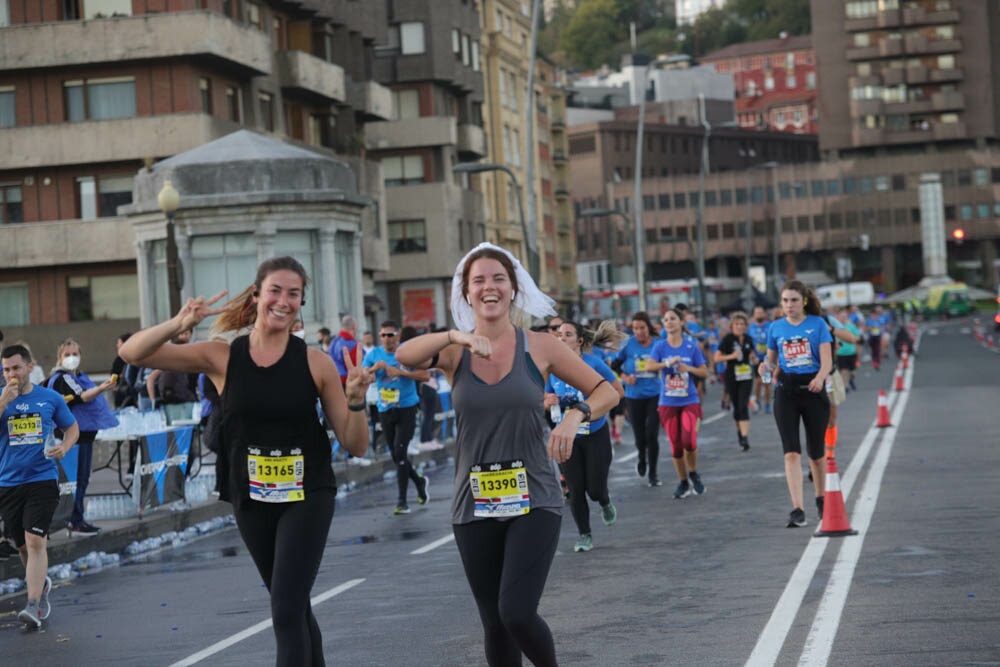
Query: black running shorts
28, 508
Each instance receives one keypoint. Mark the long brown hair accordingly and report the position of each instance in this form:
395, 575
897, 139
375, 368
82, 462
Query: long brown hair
241, 311
810, 302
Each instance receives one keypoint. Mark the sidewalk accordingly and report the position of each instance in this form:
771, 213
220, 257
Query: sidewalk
116, 534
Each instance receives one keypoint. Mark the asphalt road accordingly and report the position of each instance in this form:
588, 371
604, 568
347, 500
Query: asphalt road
715, 579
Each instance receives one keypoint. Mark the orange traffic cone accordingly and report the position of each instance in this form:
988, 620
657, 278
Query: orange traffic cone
883, 410
899, 378
906, 356
835, 523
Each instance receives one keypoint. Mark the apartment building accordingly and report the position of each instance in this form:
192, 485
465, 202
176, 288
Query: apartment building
775, 82
432, 63
93, 90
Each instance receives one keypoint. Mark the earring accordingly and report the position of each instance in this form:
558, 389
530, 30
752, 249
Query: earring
468, 300
805, 302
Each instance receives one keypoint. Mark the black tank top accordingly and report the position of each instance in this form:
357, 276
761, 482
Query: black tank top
271, 407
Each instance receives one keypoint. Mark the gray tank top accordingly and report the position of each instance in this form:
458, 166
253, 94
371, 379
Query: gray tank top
502, 422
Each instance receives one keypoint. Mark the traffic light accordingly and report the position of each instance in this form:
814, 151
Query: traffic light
958, 235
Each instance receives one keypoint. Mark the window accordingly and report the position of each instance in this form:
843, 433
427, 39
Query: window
679, 200
105, 8
790, 81
711, 198
816, 188
693, 199
407, 236
465, 50
982, 211
833, 187
220, 261
205, 86
649, 202
726, 197
112, 192
280, 37
456, 43
407, 104
664, 201
966, 211
865, 184
14, 310
979, 176
503, 87
898, 182
475, 56
411, 38
949, 212
768, 82
100, 99
964, 177
741, 195
850, 186
8, 111
11, 205
102, 297
233, 103
403, 170
301, 244
515, 148
253, 16
266, 101
4, 14
86, 196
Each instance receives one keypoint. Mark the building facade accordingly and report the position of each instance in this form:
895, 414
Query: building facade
121, 84
775, 82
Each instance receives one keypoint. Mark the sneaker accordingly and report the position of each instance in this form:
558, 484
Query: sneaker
640, 467
767, 408
7, 550
84, 528
401, 508
797, 518
683, 490
753, 405
744, 443
422, 496
609, 514
854, 387
413, 449
44, 606
655, 481
29, 616
696, 484
585, 543
819, 506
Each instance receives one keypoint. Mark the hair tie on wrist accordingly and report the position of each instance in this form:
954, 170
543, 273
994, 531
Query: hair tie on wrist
596, 386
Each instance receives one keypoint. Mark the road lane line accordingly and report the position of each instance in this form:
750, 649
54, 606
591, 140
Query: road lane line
627, 457
433, 545
772, 637
714, 418
259, 627
819, 642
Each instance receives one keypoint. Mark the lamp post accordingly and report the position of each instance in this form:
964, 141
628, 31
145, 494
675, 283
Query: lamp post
480, 167
606, 212
749, 223
169, 200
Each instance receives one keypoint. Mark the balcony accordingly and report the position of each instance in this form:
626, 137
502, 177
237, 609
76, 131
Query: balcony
919, 16
559, 157
890, 47
108, 140
942, 75
907, 137
411, 133
944, 46
887, 18
860, 25
908, 107
299, 71
950, 100
916, 74
558, 124
561, 191
66, 242
893, 76
948, 131
863, 53
206, 35
861, 108
471, 142
864, 136
373, 99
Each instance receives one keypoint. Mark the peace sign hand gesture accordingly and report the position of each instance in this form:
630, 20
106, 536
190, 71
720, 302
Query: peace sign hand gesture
196, 310
358, 379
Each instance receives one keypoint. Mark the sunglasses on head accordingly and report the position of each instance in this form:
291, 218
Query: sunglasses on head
554, 327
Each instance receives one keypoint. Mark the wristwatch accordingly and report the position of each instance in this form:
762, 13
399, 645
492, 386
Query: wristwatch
583, 408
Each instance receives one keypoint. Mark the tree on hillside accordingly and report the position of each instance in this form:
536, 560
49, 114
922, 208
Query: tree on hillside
591, 34
766, 19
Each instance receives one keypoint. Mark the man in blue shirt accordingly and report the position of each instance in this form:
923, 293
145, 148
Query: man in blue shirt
29, 478
397, 408
757, 330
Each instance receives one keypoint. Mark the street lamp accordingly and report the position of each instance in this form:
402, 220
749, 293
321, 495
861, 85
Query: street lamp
749, 223
606, 212
480, 167
169, 200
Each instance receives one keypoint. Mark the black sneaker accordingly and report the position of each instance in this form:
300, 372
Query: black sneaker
640, 467
744, 443
696, 486
422, 495
84, 527
797, 518
7, 550
683, 490
819, 506
654, 481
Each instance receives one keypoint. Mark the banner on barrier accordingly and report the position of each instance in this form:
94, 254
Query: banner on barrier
161, 466
67, 487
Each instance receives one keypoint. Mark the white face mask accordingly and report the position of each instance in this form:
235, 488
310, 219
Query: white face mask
300, 334
71, 362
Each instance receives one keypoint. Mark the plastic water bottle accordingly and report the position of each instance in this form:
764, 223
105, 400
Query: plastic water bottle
766, 375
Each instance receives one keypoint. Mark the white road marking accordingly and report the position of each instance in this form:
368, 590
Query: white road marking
819, 642
714, 418
627, 457
260, 627
433, 545
772, 637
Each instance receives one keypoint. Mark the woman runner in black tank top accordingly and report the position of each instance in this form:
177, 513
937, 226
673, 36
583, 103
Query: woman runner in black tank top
274, 463
506, 510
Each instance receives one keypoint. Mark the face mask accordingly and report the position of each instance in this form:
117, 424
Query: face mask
300, 334
71, 362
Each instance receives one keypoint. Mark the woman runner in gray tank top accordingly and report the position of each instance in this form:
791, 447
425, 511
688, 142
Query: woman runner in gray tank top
507, 504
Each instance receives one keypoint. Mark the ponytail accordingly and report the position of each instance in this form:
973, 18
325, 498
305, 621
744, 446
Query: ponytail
238, 313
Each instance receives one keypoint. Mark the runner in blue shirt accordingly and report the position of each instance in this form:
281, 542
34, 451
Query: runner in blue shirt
875, 325
587, 468
800, 344
397, 409
757, 330
616, 418
681, 361
29, 478
642, 393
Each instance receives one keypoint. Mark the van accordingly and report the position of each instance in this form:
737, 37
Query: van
946, 301
846, 294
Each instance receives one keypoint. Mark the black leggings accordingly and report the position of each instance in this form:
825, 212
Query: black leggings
793, 401
398, 425
587, 474
507, 563
739, 393
286, 541
646, 425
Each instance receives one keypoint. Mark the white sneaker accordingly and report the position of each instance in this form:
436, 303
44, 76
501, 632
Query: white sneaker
413, 450
358, 461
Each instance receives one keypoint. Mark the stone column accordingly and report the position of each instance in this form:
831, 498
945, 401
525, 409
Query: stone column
359, 293
988, 254
183, 237
326, 280
146, 281
264, 235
